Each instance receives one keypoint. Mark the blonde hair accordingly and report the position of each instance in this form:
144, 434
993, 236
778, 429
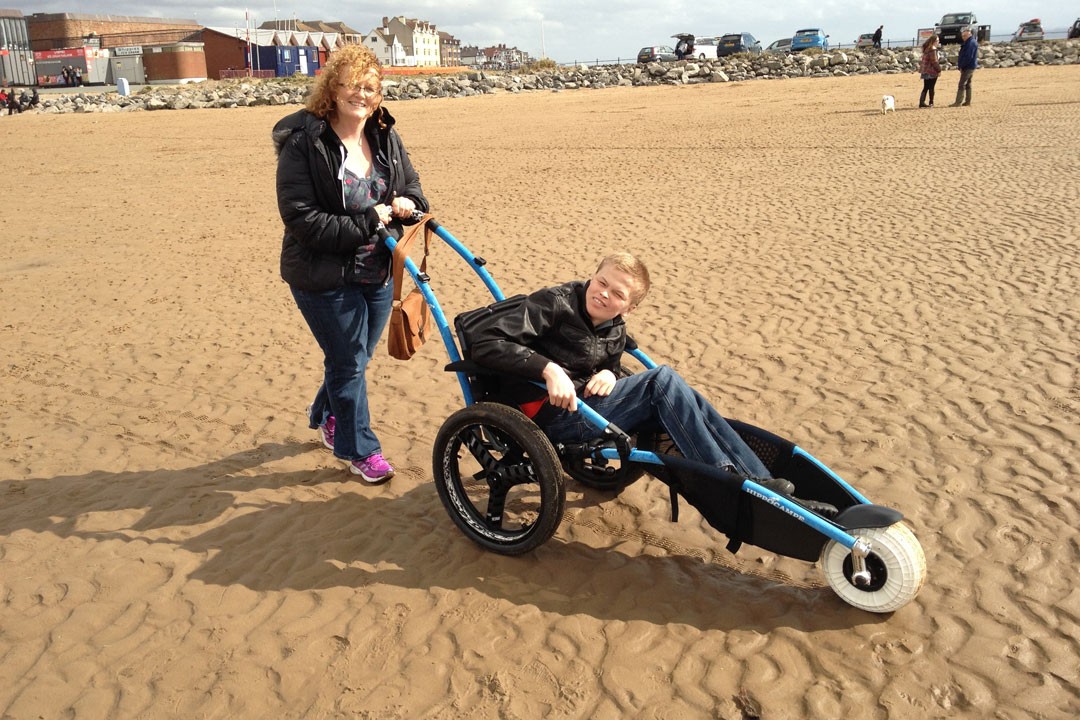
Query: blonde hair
348, 66
633, 267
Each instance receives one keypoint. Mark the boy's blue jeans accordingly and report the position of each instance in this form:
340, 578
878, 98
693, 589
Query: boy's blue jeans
661, 396
347, 323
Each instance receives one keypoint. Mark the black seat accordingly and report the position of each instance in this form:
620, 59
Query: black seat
486, 385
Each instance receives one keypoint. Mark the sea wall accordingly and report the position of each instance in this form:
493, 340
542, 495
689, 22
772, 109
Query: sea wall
292, 91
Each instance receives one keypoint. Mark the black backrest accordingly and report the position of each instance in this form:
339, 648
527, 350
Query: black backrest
467, 321
485, 384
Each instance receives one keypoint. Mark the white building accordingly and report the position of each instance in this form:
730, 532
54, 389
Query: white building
419, 38
387, 48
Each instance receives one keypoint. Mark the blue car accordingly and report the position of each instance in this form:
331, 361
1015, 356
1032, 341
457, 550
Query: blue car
809, 38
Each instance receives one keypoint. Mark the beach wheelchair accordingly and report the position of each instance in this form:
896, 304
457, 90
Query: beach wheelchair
503, 482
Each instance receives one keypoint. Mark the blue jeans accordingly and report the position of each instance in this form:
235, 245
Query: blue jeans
347, 323
661, 396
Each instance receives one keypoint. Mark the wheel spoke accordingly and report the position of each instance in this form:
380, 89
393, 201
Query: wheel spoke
473, 439
496, 502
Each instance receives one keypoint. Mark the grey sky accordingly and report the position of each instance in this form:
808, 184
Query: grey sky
588, 30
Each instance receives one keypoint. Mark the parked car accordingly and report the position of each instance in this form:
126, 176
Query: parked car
1029, 31
705, 48
656, 53
684, 43
780, 47
733, 43
865, 40
951, 24
809, 38
1074, 31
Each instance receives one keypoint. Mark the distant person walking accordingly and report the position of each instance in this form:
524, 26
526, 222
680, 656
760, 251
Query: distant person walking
877, 36
967, 62
929, 69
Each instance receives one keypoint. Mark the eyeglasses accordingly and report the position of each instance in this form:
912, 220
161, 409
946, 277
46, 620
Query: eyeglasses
366, 88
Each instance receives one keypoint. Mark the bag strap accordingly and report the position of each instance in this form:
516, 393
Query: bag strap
401, 251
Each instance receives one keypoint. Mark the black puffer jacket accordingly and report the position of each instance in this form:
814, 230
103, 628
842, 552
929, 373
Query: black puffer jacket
322, 240
551, 325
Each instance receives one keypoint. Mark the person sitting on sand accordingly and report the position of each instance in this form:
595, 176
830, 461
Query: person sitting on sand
572, 337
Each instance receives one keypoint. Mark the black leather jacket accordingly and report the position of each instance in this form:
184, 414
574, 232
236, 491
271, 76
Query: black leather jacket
551, 325
322, 241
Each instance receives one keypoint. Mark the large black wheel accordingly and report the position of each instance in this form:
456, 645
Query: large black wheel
499, 478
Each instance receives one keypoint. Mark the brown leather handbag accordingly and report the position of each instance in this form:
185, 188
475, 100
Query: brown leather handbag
411, 322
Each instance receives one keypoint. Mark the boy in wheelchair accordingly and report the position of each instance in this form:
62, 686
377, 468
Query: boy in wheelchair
571, 337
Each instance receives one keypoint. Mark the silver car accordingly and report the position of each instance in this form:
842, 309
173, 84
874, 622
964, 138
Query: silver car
1029, 31
780, 47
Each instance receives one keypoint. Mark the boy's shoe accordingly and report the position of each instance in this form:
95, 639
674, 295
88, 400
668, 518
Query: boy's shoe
823, 509
777, 485
374, 470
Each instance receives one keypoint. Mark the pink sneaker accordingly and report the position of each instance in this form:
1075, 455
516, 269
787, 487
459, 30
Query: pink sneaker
374, 470
326, 432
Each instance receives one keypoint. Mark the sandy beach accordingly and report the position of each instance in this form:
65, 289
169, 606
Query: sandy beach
896, 293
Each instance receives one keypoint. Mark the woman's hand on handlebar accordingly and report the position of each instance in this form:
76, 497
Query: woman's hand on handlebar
384, 212
402, 207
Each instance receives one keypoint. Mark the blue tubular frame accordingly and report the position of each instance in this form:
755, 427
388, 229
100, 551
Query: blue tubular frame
423, 283
826, 528
476, 264
792, 508
642, 358
646, 457
828, 471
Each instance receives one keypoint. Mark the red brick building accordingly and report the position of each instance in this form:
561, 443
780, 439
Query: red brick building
141, 49
54, 31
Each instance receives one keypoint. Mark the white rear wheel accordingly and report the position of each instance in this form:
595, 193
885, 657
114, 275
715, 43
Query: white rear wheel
896, 564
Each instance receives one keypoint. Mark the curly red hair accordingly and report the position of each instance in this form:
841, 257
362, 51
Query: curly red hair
349, 66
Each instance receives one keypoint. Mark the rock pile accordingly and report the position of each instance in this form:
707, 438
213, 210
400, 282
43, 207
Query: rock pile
292, 91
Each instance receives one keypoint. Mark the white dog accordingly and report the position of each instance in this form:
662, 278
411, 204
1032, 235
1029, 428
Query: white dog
888, 102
